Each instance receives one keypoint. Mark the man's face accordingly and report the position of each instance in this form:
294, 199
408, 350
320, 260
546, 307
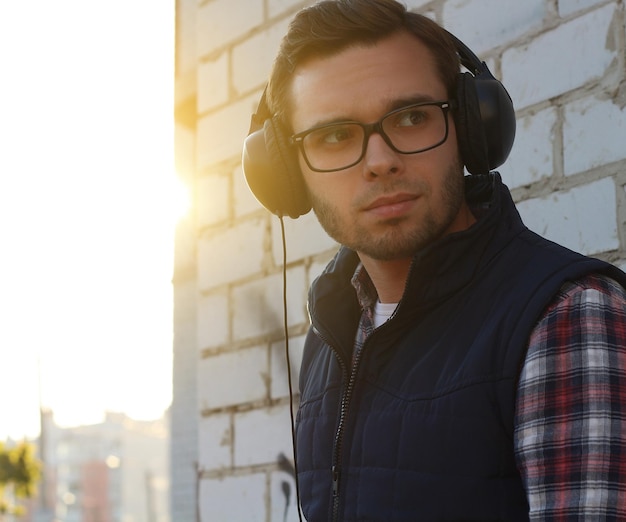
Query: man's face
388, 205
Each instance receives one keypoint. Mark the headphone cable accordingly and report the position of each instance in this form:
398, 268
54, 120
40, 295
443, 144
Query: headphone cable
288, 360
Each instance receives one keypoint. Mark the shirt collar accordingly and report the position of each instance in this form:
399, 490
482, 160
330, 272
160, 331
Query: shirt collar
365, 290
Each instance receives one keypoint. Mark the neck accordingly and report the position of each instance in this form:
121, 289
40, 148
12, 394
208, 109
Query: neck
389, 277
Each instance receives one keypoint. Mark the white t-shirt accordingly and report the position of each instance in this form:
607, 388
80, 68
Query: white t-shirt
382, 312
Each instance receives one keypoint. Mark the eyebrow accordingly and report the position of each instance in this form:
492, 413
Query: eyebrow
392, 105
405, 102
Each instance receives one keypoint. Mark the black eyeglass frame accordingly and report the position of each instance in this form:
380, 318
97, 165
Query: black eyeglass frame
374, 128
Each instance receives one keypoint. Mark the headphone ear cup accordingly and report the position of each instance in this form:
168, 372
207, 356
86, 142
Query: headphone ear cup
497, 116
272, 171
290, 191
485, 115
469, 126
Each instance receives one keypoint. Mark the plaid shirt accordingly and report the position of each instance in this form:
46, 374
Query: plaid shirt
570, 422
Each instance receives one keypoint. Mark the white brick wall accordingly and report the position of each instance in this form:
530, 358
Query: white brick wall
254, 56
278, 366
258, 305
279, 7
213, 204
248, 369
594, 134
567, 7
302, 236
560, 60
223, 21
583, 218
213, 330
221, 133
282, 498
234, 498
262, 435
230, 254
215, 442
532, 157
563, 63
484, 25
213, 83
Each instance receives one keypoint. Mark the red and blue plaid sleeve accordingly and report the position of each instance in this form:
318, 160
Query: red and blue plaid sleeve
570, 422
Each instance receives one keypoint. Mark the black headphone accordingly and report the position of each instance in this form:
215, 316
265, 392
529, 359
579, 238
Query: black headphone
485, 127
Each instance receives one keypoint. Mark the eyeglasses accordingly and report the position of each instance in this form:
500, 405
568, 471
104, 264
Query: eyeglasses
409, 130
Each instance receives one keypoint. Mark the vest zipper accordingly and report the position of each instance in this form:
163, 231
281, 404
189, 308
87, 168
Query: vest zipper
339, 434
346, 397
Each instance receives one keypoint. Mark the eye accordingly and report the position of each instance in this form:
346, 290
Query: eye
333, 135
411, 117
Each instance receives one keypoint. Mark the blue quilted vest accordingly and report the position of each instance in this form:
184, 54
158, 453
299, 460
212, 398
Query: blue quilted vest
422, 429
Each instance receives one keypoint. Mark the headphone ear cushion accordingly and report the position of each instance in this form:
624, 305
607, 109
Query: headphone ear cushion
469, 126
289, 195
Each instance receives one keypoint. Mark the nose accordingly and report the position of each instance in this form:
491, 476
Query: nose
380, 159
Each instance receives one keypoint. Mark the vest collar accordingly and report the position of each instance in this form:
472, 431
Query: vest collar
443, 268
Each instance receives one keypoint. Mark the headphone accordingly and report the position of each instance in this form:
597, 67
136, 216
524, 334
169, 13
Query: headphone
485, 127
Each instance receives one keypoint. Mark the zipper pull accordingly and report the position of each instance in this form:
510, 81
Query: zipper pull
335, 473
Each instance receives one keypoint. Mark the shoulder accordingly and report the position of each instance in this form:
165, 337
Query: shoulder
589, 312
580, 338
591, 295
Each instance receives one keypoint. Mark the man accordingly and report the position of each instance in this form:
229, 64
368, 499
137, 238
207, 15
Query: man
458, 366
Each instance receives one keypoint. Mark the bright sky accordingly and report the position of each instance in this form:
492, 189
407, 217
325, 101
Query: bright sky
88, 202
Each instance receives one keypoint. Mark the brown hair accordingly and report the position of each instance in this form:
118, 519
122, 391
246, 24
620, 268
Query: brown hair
330, 26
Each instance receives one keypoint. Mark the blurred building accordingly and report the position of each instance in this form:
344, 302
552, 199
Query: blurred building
114, 471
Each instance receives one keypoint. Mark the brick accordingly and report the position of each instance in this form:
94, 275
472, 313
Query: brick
245, 202
262, 435
277, 7
414, 5
306, 226
500, 22
216, 386
283, 497
317, 268
258, 306
233, 498
212, 83
221, 134
593, 134
583, 218
232, 254
551, 64
253, 59
279, 386
215, 446
222, 21
213, 201
567, 7
213, 321
532, 157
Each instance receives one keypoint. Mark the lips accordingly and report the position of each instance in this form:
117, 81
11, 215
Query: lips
391, 206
